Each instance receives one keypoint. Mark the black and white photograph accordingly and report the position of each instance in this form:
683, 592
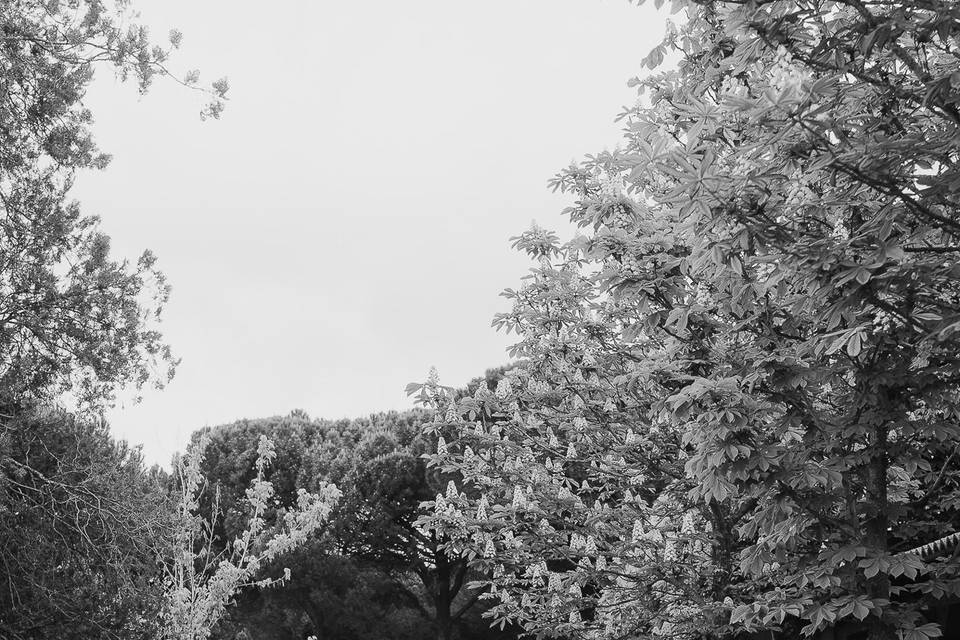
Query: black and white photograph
502, 320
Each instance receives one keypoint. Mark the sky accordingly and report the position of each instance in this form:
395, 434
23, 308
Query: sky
345, 225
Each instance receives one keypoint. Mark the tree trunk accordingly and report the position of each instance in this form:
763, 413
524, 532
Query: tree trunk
442, 599
876, 530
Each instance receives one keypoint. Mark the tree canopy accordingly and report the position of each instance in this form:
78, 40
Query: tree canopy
738, 403
72, 318
372, 536
79, 520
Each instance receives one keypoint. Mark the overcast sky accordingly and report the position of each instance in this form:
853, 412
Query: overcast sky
346, 224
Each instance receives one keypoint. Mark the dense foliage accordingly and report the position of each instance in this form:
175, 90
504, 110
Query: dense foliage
372, 542
735, 411
330, 596
203, 575
72, 319
79, 518
739, 399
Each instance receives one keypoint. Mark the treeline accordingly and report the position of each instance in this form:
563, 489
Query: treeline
85, 525
372, 572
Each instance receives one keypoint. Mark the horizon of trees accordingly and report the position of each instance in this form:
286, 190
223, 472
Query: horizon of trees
371, 548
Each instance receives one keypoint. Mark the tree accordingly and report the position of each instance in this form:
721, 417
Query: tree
377, 462
333, 597
72, 319
739, 398
79, 513
79, 517
388, 480
203, 575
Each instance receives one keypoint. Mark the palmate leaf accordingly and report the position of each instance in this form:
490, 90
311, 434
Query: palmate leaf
923, 632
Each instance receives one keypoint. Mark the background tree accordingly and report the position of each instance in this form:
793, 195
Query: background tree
750, 359
201, 577
388, 480
331, 596
372, 534
79, 517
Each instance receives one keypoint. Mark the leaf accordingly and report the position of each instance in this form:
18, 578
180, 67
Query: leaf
873, 566
736, 265
741, 613
907, 565
655, 57
840, 341
854, 345
860, 607
822, 86
923, 632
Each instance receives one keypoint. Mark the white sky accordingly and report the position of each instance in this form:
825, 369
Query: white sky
345, 225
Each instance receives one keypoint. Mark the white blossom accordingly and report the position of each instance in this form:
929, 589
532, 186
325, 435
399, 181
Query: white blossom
784, 74
611, 187
553, 583
590, 546
518, 498
638, 531
840, 231
576, 541
482, 508
686, 524
670, 551
702, 296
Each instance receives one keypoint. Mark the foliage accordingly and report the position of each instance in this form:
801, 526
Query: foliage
738, 403
377, 520
79, 516
200, 580
80, 519
72, 319
333, 596
377, 462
